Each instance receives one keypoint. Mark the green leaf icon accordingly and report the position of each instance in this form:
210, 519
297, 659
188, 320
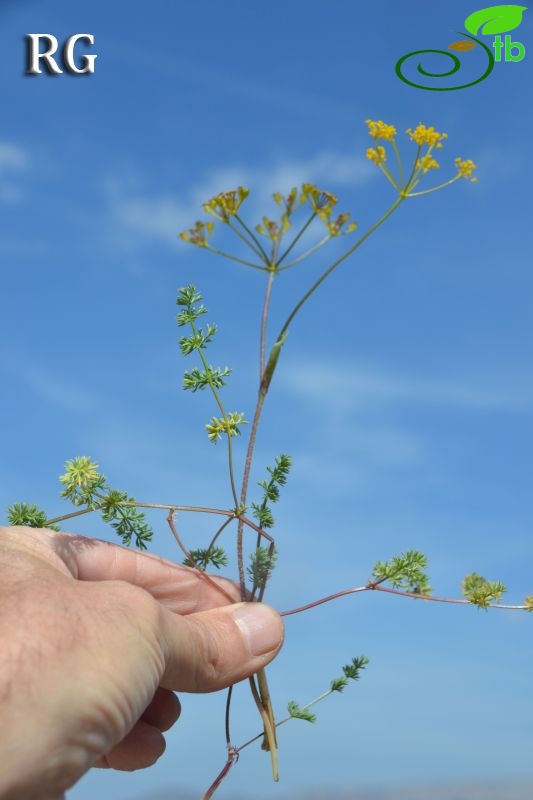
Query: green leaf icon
495, 19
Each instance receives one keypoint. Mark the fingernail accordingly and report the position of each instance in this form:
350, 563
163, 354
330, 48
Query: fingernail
261, 626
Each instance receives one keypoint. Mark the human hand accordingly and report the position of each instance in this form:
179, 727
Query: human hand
94, 638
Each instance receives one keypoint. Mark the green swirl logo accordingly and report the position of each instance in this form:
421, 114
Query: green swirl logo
487, 21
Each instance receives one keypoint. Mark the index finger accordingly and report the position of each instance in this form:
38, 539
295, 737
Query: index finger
181, 589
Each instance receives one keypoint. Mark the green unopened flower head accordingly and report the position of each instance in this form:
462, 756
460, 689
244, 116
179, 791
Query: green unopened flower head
229, 425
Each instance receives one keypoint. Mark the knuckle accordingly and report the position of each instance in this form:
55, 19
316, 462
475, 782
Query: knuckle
209, 664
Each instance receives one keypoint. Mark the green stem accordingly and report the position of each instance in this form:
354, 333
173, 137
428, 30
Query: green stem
224, 415
235, 258
264, 322
434, 189
307, 253
253, 237
413, 171
336, 263
296, 238
287, 719
388, 175
246, 240
399, 162
219, 531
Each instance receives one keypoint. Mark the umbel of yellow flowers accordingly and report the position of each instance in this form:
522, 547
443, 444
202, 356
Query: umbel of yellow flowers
225, 206
427, 139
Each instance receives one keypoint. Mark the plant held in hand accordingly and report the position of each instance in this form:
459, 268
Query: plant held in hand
272, 246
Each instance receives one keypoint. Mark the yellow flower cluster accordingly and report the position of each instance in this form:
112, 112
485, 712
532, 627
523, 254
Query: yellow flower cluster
225, 205
424, 135
465, 168
288, 202
335, 227
199, 234
380, 130
273, 230
321, 202
376, 154
426, 163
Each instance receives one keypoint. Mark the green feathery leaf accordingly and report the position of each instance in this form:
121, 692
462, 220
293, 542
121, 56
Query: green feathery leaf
406, 571
262, 566
202, 558
481, 592
201, 379
29, 514
339, 684
300, 713
278, 477
352, 670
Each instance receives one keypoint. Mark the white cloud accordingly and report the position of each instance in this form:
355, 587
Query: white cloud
57, 390
357, 386
161, 217
12, 159
352, 442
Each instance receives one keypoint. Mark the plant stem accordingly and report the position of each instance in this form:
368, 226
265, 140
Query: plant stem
224, 415
296, 239
307, 253
244, 490
399, 162
135, 504
219, 531
435, 188
264, 322
253, 431
336, 263
413, 595
253, 237
268, 725
205, 576
259, 253
235, 258
388, 176
227, 717
232, 759
318, 699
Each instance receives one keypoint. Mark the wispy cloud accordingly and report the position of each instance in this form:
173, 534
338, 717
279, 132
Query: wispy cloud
13, 159
154, 217
359, 385
48, 385
354, 441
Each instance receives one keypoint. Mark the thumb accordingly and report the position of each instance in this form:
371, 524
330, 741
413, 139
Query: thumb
213, 649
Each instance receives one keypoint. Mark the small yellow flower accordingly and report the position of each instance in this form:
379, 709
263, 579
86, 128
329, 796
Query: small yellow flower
465, 168
380, 130
426, 163
199, 234
271, 229
424, 135
335, 227
289, 202
320, 201
376, 154
226, 204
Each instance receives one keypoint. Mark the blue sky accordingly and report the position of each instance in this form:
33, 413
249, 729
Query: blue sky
405, 394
